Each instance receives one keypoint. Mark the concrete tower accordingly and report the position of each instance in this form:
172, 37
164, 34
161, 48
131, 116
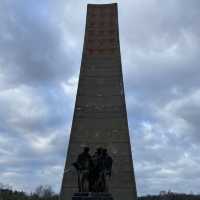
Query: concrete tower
100, 117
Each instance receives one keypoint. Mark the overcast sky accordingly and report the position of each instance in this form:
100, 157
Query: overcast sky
40, 53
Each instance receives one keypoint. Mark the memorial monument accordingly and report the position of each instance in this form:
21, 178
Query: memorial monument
100, 118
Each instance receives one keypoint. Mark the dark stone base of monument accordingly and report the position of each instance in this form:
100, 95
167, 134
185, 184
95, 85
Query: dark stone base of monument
92, 196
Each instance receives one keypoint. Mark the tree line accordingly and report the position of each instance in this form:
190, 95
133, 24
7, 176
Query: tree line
46, 193
41, 193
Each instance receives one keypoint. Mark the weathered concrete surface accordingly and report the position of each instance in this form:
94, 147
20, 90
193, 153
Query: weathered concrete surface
100, 117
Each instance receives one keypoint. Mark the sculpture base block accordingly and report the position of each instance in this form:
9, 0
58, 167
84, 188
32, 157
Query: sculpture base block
92, 196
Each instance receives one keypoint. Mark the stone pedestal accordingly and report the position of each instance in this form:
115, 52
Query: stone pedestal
92, 196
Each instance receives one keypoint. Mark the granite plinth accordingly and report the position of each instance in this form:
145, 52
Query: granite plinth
92, 196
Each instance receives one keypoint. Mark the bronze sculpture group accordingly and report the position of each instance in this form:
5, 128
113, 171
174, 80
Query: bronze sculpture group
93, 171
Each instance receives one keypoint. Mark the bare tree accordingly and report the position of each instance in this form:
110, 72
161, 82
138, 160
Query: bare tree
44, 191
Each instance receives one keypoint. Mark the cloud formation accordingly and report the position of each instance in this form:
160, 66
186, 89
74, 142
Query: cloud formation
40, 54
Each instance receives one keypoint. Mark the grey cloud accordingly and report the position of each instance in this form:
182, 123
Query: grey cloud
160, 47
32, 49
40, 47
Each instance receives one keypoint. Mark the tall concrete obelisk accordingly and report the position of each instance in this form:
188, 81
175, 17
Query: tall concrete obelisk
100, 117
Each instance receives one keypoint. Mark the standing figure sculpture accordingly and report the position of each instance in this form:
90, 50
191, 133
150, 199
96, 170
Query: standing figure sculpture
97, 176
107, 168
83, 166
93, 171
